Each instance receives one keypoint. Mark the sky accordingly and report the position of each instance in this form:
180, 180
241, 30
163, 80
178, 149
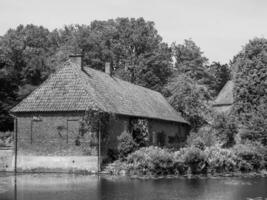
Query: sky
219, 28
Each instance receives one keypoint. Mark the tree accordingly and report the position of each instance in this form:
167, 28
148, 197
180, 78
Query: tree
250, 91
133, 46
219, 75
7, 99
24, 54
190, 99
190, 60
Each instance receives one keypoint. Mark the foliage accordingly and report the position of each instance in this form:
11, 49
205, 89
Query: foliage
250, 89
214, 159
152, 160
117, 167
205, 134
190, 60
126, 144
196, 159
24, 59
252, 155
221, 160
190, 99
133, 46
7, 99
93, 123
199, 143
139, 131
219, 74
225, 129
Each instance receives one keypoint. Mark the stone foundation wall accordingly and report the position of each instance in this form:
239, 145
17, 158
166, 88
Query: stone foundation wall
68, 164
6, 160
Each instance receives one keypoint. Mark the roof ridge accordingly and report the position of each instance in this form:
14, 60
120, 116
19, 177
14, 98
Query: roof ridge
99, 71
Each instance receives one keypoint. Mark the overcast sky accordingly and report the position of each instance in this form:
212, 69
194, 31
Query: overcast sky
220, 28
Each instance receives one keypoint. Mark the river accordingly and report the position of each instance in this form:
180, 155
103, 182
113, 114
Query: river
81, 187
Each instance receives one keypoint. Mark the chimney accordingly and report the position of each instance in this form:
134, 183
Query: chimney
76, 59
108, 69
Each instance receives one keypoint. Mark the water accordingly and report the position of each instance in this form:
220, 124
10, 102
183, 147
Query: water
78, 187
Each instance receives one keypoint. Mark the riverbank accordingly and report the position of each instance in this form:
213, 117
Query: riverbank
212, 161
262, 174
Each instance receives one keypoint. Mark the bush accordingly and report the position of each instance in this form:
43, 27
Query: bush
126, 144
206, 134
199, 143
196, 160
117, 167
225, 129
152, 160
252, 155
221, 160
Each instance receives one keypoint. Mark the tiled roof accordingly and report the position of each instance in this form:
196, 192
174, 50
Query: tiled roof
225, 96
71, 89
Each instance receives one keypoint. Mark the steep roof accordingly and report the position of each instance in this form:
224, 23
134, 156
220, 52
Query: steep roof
71, 89
225, 96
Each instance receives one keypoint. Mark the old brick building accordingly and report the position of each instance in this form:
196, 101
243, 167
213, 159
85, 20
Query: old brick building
48, 120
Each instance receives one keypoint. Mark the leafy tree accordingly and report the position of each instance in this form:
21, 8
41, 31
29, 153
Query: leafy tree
27, 47
133, 47
190, 60
190, 99
24, 53
250, 92
219, 75
7, 99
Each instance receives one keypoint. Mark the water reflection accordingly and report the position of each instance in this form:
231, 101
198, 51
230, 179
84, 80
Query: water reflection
79, 187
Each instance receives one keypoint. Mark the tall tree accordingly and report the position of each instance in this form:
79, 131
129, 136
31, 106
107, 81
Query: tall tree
24, 53
250, 91
190, 99
190, 61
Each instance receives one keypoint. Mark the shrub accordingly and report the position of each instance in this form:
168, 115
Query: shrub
199, 143
196, 159
221, 160
251, 154
179, 163
225, 129
206, 134
152, 160
126, 144
117, 167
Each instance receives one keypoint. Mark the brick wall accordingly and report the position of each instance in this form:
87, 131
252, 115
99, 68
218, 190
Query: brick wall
51, 134
47, 142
